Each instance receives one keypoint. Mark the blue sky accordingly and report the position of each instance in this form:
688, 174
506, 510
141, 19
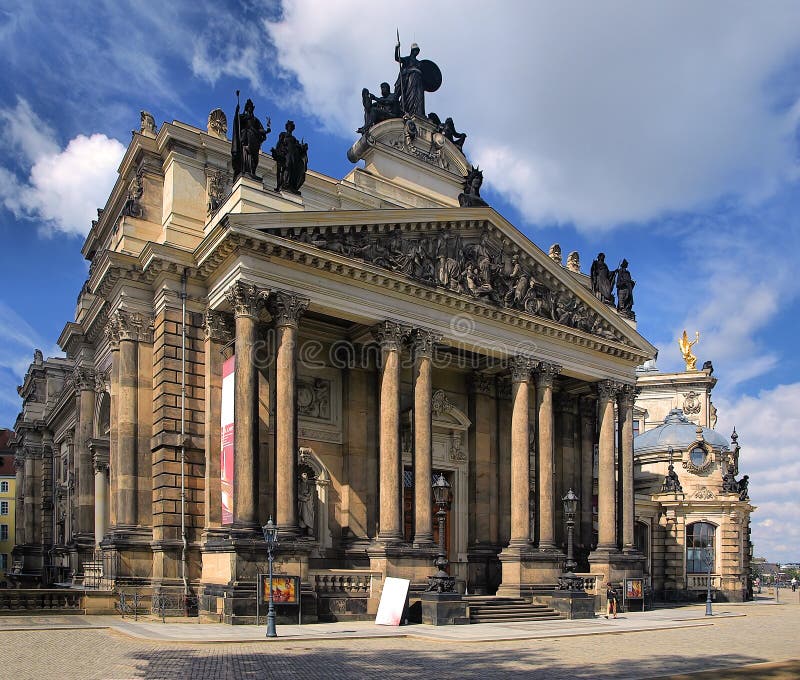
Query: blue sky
663, 133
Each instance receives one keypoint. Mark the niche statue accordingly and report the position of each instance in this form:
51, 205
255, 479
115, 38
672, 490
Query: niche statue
248, 135
291, 158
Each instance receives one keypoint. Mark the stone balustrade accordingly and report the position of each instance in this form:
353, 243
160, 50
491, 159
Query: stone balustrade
40, 600
342, 581
700, 581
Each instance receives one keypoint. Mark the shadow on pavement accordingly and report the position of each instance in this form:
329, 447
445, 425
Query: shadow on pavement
299, 661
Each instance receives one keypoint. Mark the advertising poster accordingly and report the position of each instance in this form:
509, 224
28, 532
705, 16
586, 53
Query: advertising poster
226, 450
285, 589
393, 601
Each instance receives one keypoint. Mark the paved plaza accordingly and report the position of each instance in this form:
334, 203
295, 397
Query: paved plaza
754, 640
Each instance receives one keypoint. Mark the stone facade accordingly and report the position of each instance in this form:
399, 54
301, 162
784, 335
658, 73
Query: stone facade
380, 333
689, 504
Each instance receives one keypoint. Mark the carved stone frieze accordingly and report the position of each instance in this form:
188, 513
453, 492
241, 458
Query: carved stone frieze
546, 373
218, 184
440, 404
481, 383
287, 308
691, 403
477, 267
218, 327
246, 299
314, 398
704, 494
456, 452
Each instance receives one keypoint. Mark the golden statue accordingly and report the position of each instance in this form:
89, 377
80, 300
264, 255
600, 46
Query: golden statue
686, 349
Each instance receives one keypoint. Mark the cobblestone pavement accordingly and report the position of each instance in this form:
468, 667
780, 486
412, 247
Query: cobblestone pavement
765, 634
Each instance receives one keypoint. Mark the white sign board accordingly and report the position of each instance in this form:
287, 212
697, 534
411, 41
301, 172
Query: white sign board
393, 601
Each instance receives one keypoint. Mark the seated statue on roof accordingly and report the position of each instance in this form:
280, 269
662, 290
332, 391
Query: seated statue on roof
377, 109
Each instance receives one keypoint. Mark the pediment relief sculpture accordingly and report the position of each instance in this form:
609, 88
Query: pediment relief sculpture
472, 265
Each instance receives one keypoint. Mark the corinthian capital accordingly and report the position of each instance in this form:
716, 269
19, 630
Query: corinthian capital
390, 334
287, 308
626, 395
245, 298
607, 389
126, 325
423, 341
83, 379
218, 327
520, 367
546, 374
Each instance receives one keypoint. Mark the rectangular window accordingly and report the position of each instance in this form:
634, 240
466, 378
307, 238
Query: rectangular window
635, 428
3, 561
3, 532
3, 507
3, 487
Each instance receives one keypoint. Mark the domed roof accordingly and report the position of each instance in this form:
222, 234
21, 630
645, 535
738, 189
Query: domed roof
677, 432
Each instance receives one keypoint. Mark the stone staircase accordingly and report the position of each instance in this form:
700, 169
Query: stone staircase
489, 609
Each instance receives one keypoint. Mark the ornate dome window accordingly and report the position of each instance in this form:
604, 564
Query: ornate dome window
698, 456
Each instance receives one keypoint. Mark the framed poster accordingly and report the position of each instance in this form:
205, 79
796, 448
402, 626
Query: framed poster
634, 589
393, 601
285, 589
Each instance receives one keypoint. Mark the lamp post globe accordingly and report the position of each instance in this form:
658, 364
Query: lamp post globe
569, 581
441, 581
270, 530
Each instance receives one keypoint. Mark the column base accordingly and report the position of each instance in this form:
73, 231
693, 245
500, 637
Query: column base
444, 609
526, 569
484, 569
423, 540
574, 605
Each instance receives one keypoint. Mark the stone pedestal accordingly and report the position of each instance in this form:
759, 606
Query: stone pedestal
444, 609
573, 604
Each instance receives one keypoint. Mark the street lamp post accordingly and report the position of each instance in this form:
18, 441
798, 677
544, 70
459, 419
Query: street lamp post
708, 555
270, 530
441, 581
775, 582
569, 581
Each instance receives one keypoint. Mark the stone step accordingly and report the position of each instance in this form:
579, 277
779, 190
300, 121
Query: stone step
508, 609
511, 608
555, 616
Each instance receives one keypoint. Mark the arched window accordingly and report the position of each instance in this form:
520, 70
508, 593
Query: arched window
641, 538
699, 544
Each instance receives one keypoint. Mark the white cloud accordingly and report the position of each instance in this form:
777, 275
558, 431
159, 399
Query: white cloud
64, 187
594, 113
769, 428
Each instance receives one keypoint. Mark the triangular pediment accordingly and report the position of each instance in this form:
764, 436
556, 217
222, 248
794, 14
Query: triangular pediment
470, 253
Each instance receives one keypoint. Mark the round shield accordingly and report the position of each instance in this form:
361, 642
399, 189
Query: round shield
431, 75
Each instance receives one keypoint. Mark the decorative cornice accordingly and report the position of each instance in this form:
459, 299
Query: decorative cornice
423, 341
546, 374
520, 368
218, 327
287, 308
390, 334
245, 298
607, 389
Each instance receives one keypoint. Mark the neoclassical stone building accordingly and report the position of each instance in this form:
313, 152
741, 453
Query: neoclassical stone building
689, 505
372, 333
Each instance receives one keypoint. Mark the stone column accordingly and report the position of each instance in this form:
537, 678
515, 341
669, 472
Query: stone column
100, 463
588, 406
390, 335
627, 396
113, 438
286, 310
423, 343
545, 376
127, 328
520, 451
29, 500
218, 333
84, 392
19, 511
245, 299
607, 391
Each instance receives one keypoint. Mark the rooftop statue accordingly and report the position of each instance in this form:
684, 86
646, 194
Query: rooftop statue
248, 135
416, 77
377, 109
686, 350
471, 198
602, 280
625, 286
291, 158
